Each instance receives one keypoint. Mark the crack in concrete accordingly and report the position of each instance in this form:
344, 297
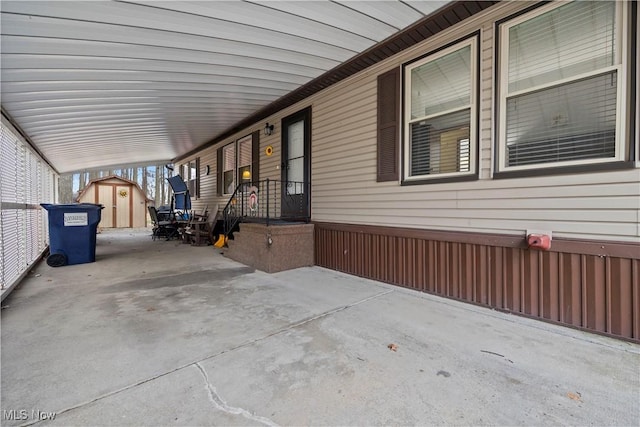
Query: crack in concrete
213, 356
290, 327
221, 405
303, 322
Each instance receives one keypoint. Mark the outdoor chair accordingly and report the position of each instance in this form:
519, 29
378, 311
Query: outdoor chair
181, 199
194, 219
199, 231
202, 216
162, 228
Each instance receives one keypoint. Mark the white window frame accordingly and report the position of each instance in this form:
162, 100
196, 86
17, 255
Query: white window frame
235, 155
472, 42
192, 183
620, 67
245, 140
190, 176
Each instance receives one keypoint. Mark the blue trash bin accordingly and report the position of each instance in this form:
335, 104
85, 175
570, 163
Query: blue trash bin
72, 233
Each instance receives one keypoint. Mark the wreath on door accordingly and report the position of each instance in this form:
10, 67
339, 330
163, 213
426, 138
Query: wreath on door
123, 193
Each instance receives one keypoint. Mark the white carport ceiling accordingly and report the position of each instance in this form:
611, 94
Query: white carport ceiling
95, 83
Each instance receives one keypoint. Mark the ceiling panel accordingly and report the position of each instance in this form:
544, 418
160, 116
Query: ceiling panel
110, 39
158, 87
97, 83
155, 18
65, 62
265, 17
334, 15
83, 48
396, 15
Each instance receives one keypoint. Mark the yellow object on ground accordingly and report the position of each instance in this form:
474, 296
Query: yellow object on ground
221, 241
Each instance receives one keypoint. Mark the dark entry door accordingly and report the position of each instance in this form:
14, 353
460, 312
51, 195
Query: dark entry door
296, 173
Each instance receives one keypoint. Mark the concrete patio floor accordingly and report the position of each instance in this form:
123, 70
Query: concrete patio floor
160, 333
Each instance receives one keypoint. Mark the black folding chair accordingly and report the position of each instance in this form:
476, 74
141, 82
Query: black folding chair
162, 228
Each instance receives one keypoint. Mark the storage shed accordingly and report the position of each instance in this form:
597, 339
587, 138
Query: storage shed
125, 204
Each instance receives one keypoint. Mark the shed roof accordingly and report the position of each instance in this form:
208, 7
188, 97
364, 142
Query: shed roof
110, 177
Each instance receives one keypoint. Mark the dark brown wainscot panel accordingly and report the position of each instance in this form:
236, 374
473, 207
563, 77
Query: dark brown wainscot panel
588, 285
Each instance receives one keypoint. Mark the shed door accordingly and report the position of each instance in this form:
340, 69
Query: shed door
123, 206
104, 196
117, 202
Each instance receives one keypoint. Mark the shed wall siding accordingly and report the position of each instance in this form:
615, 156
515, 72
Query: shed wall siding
139, 213
135, 210
89, 195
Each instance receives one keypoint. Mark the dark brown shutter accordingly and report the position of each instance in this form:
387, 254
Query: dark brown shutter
219, 172
255, 156
388, 125
197, 177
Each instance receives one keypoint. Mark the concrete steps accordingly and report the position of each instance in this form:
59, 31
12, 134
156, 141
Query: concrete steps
273, 248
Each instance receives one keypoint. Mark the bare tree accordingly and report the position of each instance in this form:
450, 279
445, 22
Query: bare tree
151, 178
65, 188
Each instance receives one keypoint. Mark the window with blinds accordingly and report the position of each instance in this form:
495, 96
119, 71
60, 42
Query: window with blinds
440, 95
229, 168
237, 162
561, 86
190, 173
245, 148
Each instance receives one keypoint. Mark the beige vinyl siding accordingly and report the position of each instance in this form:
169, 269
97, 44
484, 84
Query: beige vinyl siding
343, 143
486, 102
270, 167
603, 205
207, 182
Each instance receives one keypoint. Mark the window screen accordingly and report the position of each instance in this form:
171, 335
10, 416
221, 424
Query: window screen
245, 148
561, 86
229, 164
441, 98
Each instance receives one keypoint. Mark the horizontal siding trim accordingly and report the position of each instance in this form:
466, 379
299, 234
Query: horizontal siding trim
596, 184
447, 209
560, 203
584, 247
467, 200
478, 190
513, 227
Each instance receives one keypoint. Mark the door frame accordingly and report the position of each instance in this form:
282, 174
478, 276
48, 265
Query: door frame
305, 116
